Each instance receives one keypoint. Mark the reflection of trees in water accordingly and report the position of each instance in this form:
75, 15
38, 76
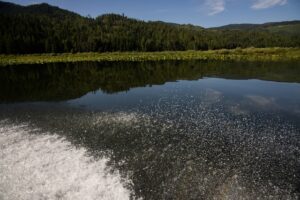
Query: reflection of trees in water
71, 80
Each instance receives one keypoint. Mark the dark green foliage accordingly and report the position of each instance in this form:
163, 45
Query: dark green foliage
46, 29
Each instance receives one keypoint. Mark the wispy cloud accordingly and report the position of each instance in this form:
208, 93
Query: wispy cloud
263, 4
261, 100
215, 6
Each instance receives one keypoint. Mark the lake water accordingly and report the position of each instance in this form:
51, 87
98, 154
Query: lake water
153, 130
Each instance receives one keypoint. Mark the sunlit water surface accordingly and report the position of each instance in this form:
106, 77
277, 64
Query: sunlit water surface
167, 130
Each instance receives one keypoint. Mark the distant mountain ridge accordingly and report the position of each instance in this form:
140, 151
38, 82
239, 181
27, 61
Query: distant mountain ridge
292, 27
249, 25
43, 8
42, 28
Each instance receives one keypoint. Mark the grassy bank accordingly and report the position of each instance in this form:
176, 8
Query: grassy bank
250, 54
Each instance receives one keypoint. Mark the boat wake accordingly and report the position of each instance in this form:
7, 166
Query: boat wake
46, 166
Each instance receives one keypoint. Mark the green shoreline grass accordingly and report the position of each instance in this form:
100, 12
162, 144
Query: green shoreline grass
249, 54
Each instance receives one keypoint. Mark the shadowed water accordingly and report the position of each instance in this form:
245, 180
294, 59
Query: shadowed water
174, 130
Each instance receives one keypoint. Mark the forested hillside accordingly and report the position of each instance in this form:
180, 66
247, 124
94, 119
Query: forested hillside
47, 29
287, 27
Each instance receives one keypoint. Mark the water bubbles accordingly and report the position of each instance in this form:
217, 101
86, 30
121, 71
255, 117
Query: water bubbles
48, 167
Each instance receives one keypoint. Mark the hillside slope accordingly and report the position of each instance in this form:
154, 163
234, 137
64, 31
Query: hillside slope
285, 27
43, 28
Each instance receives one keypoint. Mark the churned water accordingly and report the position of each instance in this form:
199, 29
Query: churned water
46, 166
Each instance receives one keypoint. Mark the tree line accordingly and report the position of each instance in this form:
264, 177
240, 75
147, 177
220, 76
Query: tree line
53, 30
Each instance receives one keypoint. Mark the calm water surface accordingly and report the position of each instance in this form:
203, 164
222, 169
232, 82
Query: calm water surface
154, 130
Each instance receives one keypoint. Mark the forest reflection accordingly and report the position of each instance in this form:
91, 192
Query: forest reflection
64, 81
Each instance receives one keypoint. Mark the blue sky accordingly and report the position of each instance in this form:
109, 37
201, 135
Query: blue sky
207, 13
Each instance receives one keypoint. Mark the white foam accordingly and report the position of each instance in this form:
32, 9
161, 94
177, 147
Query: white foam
44, 166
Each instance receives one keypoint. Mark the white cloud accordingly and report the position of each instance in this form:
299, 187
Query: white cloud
261, 100
215, 6
262, 4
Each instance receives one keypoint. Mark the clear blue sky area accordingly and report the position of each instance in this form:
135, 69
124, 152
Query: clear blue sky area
207, 13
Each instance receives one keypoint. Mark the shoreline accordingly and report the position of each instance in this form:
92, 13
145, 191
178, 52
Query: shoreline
248, 54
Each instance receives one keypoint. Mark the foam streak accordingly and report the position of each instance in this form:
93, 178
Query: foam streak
45, 166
